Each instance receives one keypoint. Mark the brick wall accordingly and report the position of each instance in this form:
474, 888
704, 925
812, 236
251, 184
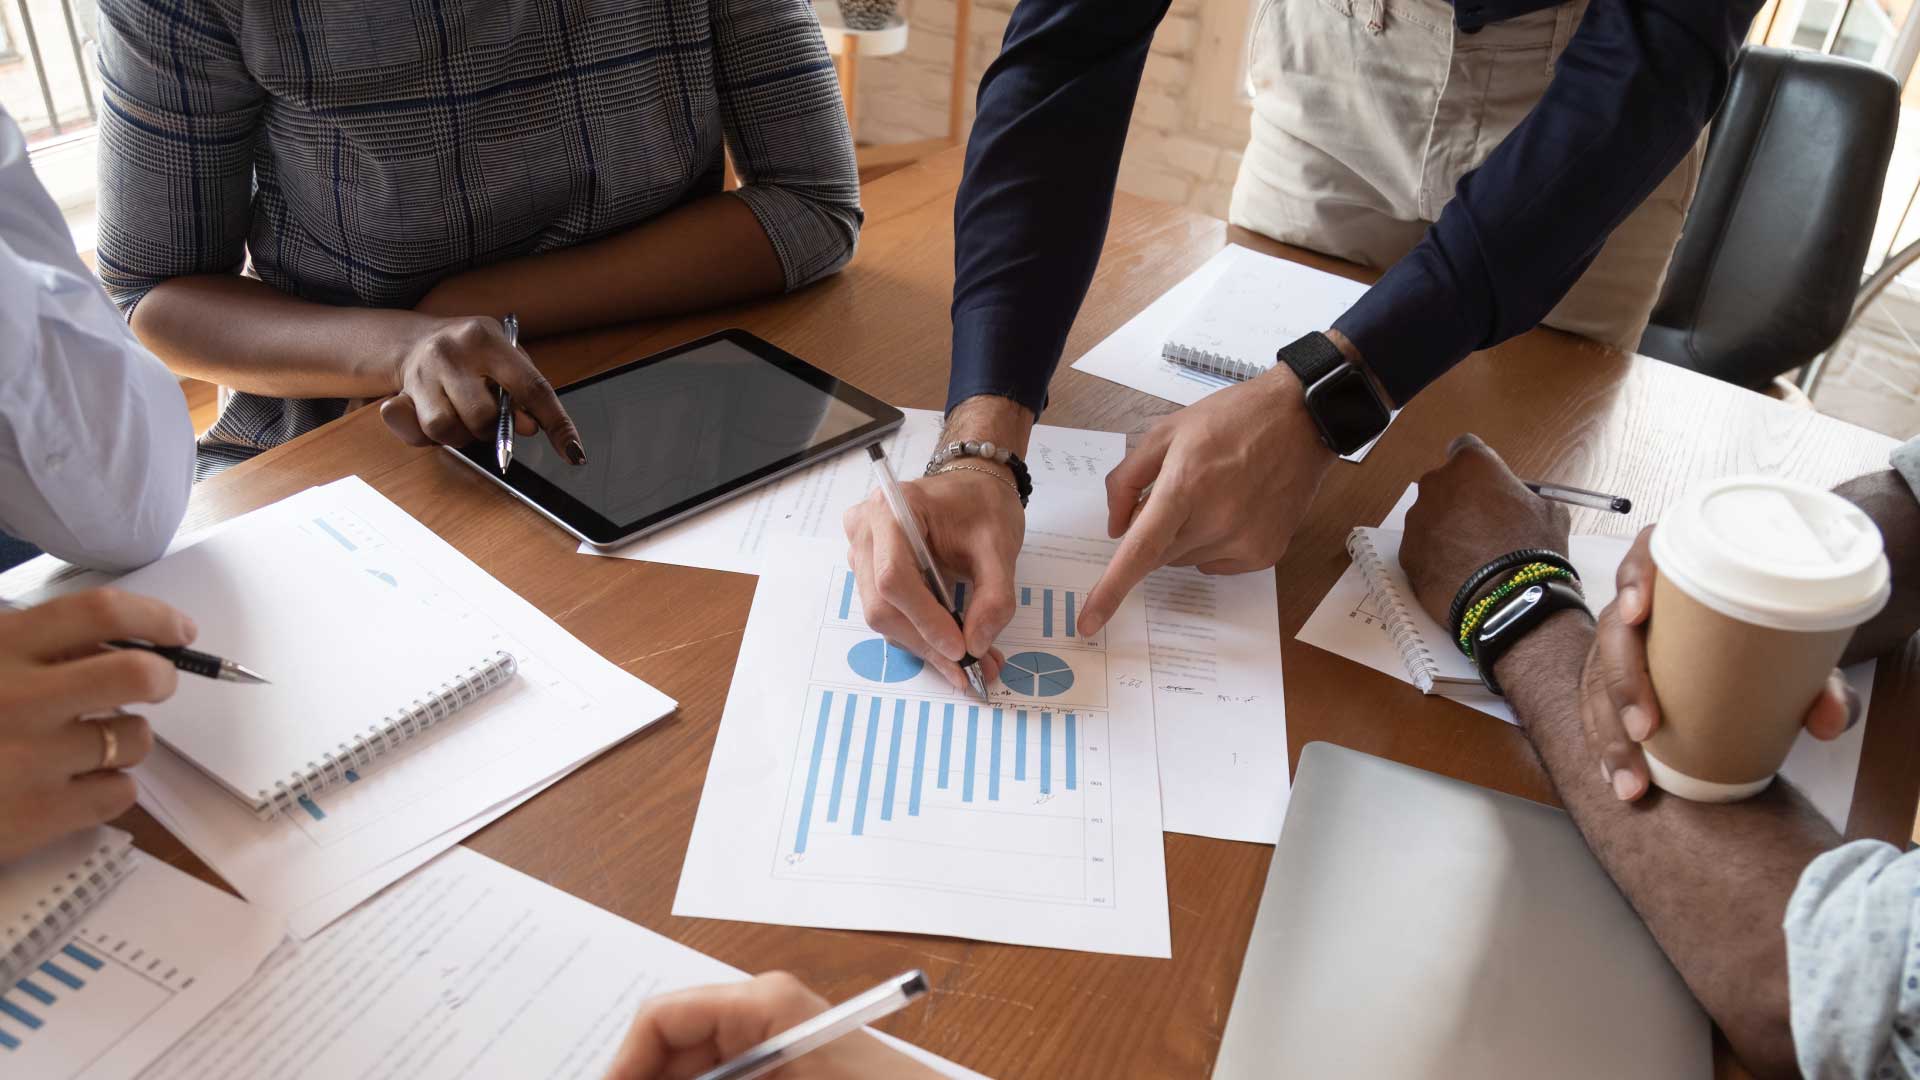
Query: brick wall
1183, 145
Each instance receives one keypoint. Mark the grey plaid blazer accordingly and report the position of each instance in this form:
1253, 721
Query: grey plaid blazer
355, 152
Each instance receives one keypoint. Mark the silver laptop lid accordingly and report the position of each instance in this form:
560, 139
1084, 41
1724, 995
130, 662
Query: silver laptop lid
1418, 926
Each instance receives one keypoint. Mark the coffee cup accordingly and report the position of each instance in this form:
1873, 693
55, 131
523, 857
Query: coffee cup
1759, 584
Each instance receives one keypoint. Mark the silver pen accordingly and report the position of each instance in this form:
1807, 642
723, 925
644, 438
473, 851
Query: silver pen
890, 488
1573, 496
503, 433
843, 1019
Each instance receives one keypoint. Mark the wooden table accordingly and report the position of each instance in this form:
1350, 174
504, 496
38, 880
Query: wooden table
615, 832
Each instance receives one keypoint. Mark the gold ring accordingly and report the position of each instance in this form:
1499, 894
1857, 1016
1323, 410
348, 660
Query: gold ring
109, 743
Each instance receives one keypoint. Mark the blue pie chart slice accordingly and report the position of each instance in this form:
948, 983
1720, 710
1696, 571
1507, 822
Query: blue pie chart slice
1037, 674
876, 661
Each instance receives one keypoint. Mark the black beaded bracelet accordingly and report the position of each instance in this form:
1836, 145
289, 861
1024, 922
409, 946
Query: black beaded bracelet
1511, 560
985, 451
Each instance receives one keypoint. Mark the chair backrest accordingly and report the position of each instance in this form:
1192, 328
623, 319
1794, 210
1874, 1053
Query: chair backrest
1774, 245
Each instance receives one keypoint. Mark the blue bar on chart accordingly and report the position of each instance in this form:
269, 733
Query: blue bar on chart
866, 770
846, 596
1070, 622
1020, 744
946, 745
893, 760
840, 760
1026, 595
919, 762
9, 1008
1046, 613
993, 761
813, 773
973, 746
77, 953
1046, 753
61, 975
35, 991
1073, 753
9, 1041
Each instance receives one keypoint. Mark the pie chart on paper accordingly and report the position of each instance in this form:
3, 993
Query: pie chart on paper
1037, 674
876, 661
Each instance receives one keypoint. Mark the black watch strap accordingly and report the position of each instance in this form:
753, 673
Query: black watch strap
1312, 357
1521, 614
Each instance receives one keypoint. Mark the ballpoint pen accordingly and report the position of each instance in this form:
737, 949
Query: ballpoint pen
890, 488
191, 661
809, 1035
1573, 496
503, 433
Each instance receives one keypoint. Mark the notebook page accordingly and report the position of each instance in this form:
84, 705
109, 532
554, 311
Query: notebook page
343, 649
1258, 304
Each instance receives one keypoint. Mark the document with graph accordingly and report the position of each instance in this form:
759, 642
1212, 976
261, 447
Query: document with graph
852, 787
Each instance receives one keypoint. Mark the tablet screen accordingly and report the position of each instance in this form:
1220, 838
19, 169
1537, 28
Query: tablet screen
672, 432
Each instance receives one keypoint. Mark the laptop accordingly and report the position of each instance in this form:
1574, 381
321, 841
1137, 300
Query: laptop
1418, 926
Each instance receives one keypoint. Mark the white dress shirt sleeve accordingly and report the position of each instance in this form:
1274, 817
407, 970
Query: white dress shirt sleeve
96, 448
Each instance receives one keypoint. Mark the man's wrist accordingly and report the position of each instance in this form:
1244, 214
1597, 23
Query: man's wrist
1547, 661
1354, 357
1001, 421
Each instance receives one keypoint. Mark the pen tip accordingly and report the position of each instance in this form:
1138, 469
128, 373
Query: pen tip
242, 673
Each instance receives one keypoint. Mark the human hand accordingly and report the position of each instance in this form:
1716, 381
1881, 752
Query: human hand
1226, 481
974, 524
1471, 511
447, 396
681, 1035
1617, 703
55, 777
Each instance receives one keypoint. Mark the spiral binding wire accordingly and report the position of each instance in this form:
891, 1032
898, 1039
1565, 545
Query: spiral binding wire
385, 737
83, 888
1400, 624
1212, 363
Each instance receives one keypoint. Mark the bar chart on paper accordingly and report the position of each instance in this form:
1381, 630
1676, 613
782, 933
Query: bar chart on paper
80, 1000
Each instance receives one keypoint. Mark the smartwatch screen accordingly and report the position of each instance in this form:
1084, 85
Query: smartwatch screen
1349, 414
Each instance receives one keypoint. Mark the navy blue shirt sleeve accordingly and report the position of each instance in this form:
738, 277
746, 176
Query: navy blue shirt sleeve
1032, 209
1635, 86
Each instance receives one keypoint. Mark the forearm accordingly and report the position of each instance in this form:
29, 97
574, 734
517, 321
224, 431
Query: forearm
242, 333
705, 254
1711, 881
1887, 499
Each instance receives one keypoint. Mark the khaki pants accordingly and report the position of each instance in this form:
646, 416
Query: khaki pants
1360, 135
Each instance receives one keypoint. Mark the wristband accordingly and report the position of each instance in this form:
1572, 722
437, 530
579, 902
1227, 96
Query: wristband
1517, 618
1531, 574
985, 451
1501, 565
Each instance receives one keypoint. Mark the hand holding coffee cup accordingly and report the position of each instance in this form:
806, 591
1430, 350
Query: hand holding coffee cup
1772, 577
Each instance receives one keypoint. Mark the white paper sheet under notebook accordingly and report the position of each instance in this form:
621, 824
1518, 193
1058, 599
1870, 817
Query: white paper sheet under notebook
851, 787
344, 650
466, 968
45, 892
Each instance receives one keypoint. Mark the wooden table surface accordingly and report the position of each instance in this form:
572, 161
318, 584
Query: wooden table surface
615, 832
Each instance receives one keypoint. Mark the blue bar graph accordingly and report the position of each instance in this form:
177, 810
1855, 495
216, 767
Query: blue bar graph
61, 975
846, 595
1046, 613
1020, 744
973, 746
840, 760
993, 761
866, 770
813, 773
919, 762
1070, 622
9, 1008
1073, 753
893, 760
946, 745
1046, 753
85, 957
336, 534
35, 991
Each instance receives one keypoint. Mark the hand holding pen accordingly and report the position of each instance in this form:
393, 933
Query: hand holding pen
447, 384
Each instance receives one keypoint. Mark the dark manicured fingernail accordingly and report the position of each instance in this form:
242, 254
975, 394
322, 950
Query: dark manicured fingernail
575, 452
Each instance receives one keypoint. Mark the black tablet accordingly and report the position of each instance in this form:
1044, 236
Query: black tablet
677, 432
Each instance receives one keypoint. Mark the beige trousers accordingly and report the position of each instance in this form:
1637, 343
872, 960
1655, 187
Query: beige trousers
1366, 113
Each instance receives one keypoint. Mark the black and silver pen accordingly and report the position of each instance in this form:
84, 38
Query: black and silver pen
1573, 496
191, 661
503, 432
890, 488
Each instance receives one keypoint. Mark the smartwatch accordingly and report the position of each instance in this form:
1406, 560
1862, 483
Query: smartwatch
1340, 397
1519, 616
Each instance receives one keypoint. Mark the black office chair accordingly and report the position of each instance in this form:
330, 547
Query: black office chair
1773, 248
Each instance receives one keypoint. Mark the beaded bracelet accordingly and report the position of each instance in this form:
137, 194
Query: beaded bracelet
1529, 574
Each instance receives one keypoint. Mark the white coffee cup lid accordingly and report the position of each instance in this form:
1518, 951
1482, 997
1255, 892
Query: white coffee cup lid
1775, 553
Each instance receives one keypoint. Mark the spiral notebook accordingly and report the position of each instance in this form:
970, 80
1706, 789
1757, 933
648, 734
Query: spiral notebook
1252, 308
43, 895
359, 669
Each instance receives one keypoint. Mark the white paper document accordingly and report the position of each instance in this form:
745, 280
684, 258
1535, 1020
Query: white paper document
566, 705
158, 955
1284, 299
466, 968
851, 787
1220, 707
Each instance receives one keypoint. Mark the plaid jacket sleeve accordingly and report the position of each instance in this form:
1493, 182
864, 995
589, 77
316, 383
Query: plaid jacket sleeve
787, 131
176, 145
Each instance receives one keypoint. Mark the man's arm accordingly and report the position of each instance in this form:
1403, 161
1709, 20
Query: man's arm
1630, 95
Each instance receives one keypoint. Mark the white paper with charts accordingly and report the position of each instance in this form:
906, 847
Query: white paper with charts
852, 787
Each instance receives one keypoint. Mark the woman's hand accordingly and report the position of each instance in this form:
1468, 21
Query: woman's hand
447, 382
